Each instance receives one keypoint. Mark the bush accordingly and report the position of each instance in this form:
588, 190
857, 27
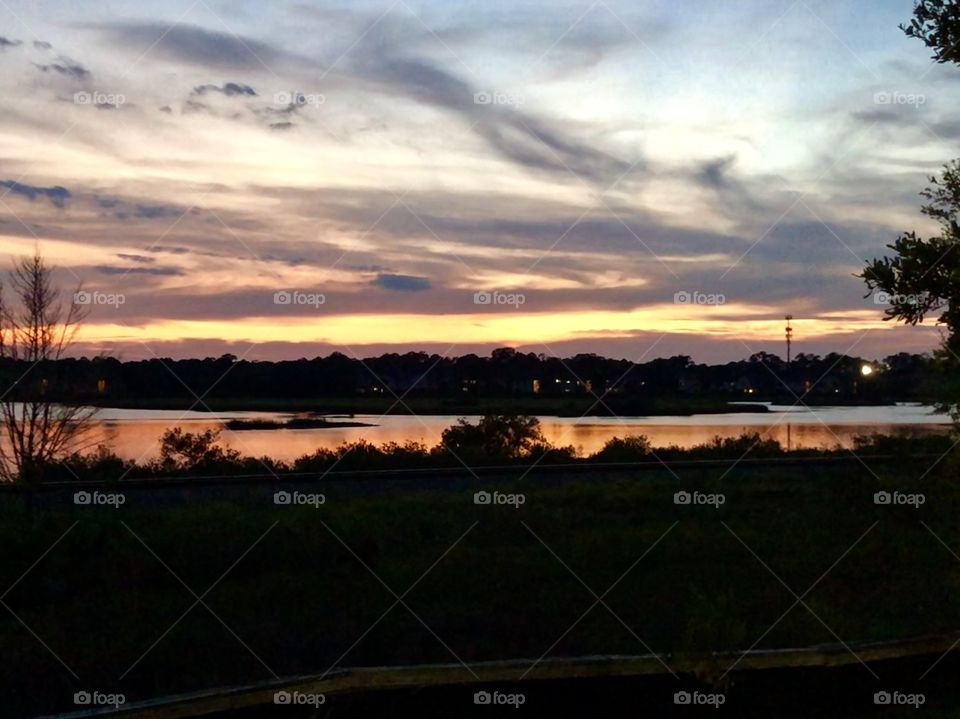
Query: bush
903, 443
624, 449
100, 465
747, 445
495, 437
362, 455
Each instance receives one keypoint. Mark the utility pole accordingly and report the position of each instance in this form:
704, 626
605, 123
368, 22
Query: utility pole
789, 333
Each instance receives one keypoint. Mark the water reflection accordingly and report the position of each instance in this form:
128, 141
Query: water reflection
135, 434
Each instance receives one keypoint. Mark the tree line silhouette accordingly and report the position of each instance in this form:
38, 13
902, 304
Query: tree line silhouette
505, 373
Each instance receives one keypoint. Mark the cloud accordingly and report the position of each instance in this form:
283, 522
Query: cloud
402, 283
152, 212
157, 271
281, 125
194, 106
519, 136
41, 45
7, 42
192, 44
57, 195
230, 89
714, 172
136, 258
67, 68
170, 249
124, 209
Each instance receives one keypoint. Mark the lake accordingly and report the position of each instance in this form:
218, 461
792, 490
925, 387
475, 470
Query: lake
134, 434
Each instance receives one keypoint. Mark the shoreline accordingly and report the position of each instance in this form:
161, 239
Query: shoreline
346, 408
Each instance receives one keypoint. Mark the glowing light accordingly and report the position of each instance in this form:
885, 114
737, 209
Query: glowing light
866, 370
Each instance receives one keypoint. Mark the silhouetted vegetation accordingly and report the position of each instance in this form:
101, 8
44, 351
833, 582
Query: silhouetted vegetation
921, 278
923, 275
937, 24
37, 327
505, 382
494, 440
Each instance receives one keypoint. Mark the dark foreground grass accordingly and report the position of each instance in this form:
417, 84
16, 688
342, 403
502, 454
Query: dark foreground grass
846, 692
287, 590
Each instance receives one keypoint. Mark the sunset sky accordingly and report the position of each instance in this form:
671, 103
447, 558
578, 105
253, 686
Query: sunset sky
194, 158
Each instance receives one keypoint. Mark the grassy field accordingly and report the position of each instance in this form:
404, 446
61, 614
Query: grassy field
296, 589
792, 694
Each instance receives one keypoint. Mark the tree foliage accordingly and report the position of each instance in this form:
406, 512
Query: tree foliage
494, 437
937, 24
923, 274
190, 451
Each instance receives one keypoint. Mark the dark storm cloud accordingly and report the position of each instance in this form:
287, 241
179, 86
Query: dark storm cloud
7, 42
402, 283
57, 195
189, 43
230, 89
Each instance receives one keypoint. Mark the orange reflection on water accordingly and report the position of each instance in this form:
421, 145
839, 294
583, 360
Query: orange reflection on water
139, 440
